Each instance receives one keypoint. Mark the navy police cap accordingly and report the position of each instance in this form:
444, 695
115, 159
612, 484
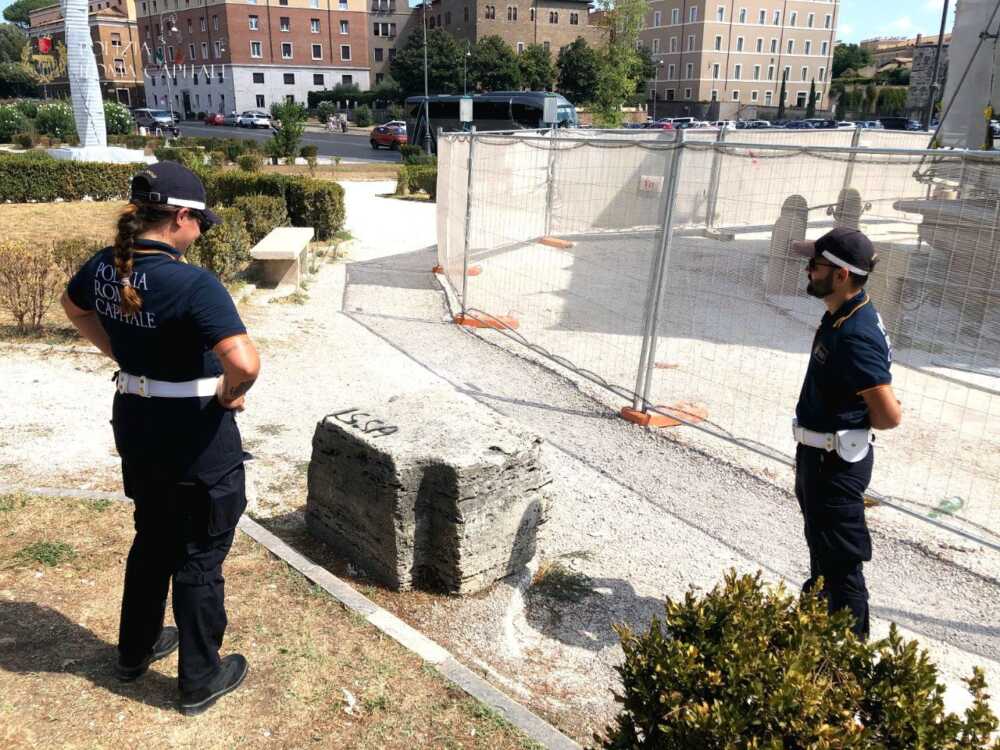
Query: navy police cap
171, 184
843, 246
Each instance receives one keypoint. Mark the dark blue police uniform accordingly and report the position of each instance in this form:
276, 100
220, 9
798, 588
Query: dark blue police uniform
850, 354
182, 458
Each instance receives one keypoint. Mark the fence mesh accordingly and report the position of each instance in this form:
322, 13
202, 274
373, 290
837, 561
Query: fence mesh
681, 249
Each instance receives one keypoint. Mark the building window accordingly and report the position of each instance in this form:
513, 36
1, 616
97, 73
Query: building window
718, 42
282, 2
788, 72
770, 72
827, 21
793, 18
286, 50
392, 54
285, 23
736, 95
574, 19
343, 4
767, 98
317, 52
192, 52
809, 46
531, 14
553, 16
194, 79
822, 74
258, 78
687, 93
345, 27
314, 25
760, 44
823, 47
222, 77
800, 99
670, 72
777, 18
119, 67
810, 19
197, 99
656, 45
203, 23
791, 46
737, 71
675, 16
511, 13
116, 40
715, 71
762, 16
756, 72
720, 13
805, 74
260, 101
313, 3
289, 78
657, 19
491, 12
739, 44
209, 100
670, 95
715, 95
753, 96
170, 51
347, 80
774, 46
254, 23
215, 23
379, 77
689, 72
546, 45
378, 54
204, 50
255, 49
520, 47
345, 52
743, 15
690, 47
218, 49
693, 14
673, 44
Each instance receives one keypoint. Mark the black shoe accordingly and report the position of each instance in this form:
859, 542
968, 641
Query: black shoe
165, 645
232, 670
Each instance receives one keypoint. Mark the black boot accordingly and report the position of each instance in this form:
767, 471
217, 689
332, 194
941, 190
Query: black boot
230, 676
165, 645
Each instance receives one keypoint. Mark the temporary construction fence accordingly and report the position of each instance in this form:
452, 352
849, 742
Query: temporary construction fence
657, 264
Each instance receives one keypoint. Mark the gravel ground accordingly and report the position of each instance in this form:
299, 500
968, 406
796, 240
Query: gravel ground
641, 513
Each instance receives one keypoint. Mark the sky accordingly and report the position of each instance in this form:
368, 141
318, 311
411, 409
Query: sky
863, 19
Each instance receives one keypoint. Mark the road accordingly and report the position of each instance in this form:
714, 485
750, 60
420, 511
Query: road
348, 147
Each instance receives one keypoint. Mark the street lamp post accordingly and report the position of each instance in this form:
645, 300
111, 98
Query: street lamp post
427, 96
465, 68
172, 19
656, 75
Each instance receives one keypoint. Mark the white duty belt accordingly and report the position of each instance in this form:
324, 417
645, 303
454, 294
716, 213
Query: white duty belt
140, 385
850, 445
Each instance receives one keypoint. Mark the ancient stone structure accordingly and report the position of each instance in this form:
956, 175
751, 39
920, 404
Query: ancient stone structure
430, 490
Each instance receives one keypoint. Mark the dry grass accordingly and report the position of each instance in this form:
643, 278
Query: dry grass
58, 626
46, 222
366, 172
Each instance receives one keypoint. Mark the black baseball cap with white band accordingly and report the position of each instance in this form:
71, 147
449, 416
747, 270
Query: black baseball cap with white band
172, 184
844, 247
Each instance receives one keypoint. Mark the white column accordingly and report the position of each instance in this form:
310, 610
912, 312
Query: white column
84, 82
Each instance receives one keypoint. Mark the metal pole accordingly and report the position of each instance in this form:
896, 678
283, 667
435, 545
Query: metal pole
550, 173
427, 101
647, 356
468, 221
849, 174
937, 59
713, 184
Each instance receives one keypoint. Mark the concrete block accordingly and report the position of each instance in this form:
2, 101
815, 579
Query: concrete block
449, 501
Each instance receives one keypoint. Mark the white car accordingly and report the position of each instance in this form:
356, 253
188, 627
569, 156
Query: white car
254, 119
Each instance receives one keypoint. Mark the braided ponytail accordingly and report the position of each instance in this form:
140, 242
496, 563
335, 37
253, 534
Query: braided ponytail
135, 219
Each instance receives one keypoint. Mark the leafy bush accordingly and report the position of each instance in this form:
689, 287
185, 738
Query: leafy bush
192, 158
225, 249
306, 151
745, 666
285, 141
413, 177
252, 162
70, 254
217, 159
199, 116
362, 116
28, 107
403, 181
24, 140
261, 214
56, 119
117, 119
233, 148
12, 121
30, 281
415, 155
36, 176
325, 111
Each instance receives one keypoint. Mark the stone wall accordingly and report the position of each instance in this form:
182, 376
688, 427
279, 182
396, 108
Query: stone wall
921, 75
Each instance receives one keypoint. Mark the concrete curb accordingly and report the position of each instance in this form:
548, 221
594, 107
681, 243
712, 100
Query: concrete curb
446, 665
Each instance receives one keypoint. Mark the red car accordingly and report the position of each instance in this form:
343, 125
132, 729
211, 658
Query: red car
390, 135
213, 118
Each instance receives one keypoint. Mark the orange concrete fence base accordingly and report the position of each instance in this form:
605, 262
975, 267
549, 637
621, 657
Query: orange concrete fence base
471, 321
678, 413
471, 271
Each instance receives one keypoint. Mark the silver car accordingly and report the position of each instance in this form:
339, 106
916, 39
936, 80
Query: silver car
151, 119
254, 118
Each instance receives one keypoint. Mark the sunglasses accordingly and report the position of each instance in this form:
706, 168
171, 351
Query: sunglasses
203, 223
813, 264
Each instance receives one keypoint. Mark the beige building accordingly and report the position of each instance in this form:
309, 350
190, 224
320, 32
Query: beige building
736, 51
886, 49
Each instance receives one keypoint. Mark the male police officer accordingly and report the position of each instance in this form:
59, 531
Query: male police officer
846, 393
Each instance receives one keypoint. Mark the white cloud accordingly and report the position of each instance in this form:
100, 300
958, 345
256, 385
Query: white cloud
845, 28
901, 24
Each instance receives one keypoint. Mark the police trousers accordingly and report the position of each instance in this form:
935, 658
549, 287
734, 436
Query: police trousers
830, 492
183, 532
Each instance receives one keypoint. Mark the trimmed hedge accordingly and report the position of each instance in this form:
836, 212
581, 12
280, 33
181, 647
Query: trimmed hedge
37, 177
225, 249
261, 214
250, 162
310, 203
413, 177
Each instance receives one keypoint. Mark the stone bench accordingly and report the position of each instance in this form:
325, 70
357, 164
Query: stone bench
431, 490
282, 256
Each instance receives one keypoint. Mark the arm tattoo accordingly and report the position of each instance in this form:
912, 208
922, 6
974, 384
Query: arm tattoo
236, 391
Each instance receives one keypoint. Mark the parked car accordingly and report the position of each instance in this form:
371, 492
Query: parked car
254, 118
391, 135
900, 123
155, 119
231, 119
214, 118
798, 125
725, 124
757, 124
679, 121
664, 124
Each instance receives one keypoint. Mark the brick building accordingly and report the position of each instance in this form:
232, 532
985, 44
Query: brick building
390, 22
114, 32
223, 55
551, 23
736, 51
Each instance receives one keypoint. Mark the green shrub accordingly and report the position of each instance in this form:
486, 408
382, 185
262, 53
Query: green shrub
362, 116
746, 666
233, 148
136, 141
28, 107
24, 140
36, 176
261, 214
250, 162
415, 155
225, 187
285, 141
424, 177
403, 181
217, 159
325, 111
56, 119
117, 119
192, 158
30, 281
70, 254
225, 249
306, 151
12, 121
317, 204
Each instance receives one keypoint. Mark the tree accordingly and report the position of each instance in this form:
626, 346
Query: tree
285, 141
620, 66
811, 106
17, 12
781, 96
12, 41
849, 56
493, 65
537, 71
444, 64
388, 90
578, 67
15, 81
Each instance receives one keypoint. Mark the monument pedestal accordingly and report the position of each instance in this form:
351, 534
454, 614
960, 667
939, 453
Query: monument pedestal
107, 154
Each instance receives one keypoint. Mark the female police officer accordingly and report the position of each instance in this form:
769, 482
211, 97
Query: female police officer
847, 391
173, 330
